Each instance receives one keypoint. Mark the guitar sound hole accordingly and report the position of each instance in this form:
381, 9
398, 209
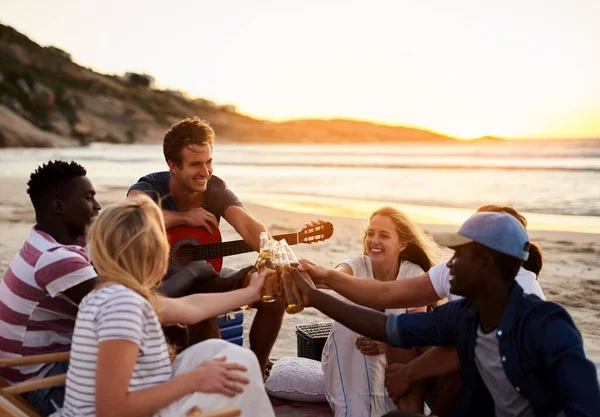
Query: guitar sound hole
183, 252
185, 255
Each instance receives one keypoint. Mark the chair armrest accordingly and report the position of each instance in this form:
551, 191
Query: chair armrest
35, 359
35, 384
230, 411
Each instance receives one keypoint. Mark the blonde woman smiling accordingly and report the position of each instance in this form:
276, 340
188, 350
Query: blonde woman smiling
394, 248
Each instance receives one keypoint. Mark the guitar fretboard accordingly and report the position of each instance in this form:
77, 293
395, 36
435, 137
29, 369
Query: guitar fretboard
235, 247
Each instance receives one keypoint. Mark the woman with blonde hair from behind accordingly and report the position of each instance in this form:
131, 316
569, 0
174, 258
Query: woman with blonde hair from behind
120, 363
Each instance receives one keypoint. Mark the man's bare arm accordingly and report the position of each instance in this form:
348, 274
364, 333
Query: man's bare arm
247, 226
365, 321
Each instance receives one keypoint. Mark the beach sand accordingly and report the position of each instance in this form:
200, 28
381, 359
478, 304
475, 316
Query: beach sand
570, 275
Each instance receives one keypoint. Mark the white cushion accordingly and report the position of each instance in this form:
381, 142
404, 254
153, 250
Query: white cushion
297, 379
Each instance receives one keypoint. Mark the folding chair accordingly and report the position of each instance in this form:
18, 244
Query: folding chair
12, 404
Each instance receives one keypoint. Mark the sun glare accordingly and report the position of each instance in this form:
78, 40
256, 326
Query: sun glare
467, 69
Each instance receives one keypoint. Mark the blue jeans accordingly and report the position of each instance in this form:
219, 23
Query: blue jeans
42, 399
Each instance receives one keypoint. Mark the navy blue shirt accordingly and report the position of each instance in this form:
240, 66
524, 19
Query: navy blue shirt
542, 350
218, 196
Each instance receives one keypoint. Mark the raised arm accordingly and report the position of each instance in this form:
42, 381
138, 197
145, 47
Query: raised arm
402, 293
194, 308
247, 226
365, 321
406, 330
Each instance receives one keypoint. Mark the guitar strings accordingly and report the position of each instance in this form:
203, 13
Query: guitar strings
217, 250
213, 248
221, 249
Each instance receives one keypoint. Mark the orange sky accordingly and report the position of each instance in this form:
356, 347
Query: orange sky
465, 68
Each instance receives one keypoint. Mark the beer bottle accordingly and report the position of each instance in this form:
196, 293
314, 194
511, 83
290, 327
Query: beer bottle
295, 264
263, 253
293, 298
270, 289
262, 262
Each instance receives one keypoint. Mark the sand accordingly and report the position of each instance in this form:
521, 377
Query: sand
570, 275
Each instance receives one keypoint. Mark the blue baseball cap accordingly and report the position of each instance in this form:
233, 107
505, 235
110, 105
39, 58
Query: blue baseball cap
498, 231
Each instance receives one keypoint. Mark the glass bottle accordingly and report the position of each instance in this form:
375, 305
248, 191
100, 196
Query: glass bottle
294, 264
293, 297
270, 288
263, 261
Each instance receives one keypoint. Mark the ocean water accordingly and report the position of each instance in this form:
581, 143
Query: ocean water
557, 182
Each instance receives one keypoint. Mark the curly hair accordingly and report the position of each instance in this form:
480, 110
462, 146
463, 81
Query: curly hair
47, 180
190, 131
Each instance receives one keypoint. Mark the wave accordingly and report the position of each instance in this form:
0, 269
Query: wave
407, 166
533, 154
524, 206
301, 162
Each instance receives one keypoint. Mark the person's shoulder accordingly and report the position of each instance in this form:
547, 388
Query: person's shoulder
117, 295
409, 269
359, 264
155, 184
439, 275
528, 281
216, 181
548, 325
34, 246
60, 256
217, 185
538, 313
533, 304
158, 178
439, 271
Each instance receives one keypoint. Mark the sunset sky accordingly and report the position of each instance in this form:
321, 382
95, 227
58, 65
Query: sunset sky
527, 68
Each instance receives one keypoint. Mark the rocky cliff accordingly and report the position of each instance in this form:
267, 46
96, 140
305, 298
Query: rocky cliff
48, 100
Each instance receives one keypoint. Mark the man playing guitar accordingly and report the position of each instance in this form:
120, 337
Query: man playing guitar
190, 195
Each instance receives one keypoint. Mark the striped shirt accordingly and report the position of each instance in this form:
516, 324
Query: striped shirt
114, 312
35, 317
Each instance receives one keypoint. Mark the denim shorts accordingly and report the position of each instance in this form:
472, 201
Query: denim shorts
43, 400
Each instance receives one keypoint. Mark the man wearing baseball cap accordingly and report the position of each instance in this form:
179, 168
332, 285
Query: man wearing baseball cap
519, 355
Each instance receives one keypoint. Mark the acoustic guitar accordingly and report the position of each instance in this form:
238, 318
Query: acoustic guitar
195, 243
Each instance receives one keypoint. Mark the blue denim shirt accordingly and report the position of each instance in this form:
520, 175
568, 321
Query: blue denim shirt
541, 350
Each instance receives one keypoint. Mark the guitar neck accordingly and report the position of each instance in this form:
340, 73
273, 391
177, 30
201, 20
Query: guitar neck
235, 247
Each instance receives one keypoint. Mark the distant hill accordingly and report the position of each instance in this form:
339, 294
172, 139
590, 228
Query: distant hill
48, 100
488, 139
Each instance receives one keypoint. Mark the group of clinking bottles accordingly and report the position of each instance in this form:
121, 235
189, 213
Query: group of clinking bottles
278, 256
